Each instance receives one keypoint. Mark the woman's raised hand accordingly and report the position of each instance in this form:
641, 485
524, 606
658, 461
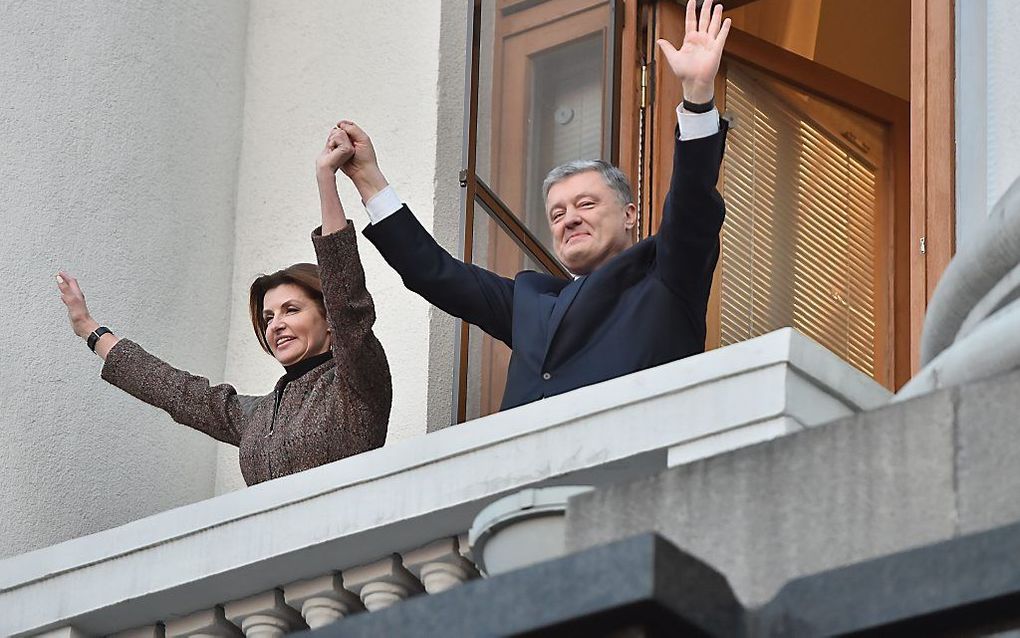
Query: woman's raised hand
363, 167
70, 293
337, 152
696, 62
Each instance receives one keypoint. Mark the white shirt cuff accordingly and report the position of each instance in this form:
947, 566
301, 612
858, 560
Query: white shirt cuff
695, 126
383, 204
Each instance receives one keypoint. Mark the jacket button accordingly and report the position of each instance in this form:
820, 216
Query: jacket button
546, 376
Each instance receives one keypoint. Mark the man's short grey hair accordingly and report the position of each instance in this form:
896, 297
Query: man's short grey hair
612, 176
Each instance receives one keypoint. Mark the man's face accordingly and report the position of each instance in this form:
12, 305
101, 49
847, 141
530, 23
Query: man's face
589, 223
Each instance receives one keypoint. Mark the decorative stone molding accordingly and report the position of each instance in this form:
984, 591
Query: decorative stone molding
685, 409
322, 600
382, 583
440, 565
264, 615
211, 623
973, 318
63, 632
150, 631
465, 547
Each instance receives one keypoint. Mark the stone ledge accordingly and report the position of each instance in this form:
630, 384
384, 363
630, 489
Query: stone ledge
190, 558
909, 474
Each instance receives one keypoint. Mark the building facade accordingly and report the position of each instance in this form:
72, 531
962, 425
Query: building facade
164, 154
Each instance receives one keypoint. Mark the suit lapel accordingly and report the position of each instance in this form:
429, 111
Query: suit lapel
563, 301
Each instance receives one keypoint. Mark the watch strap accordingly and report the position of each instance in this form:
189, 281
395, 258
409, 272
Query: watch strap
695, 107
95, 336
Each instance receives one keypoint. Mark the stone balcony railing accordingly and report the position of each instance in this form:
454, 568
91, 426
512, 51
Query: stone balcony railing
368, 531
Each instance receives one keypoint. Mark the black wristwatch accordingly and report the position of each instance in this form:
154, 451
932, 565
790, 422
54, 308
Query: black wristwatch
96, 334
694, 107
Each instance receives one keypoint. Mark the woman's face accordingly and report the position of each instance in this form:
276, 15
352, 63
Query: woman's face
296, 328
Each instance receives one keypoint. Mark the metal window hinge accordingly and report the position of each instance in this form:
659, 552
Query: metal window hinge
644, 86
463, 178
923, 247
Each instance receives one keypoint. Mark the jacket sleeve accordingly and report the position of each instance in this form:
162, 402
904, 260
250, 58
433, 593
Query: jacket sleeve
359, 357
687, 242
187, 398
463, 290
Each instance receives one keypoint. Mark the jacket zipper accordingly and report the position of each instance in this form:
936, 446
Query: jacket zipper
276, 408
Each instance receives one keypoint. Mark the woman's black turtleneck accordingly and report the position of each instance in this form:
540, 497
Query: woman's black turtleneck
295, 372
304, 366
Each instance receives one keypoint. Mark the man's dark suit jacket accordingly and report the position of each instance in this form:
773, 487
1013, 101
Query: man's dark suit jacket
644, 307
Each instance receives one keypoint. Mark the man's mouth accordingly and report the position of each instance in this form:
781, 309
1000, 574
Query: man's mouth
571, 239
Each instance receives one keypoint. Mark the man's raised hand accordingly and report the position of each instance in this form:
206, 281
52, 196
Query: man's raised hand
696, 63
337, 152
363, 167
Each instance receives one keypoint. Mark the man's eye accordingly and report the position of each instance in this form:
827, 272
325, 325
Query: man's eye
291, 310
587, 204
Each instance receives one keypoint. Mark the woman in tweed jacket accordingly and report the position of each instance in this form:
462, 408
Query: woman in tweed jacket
333, 401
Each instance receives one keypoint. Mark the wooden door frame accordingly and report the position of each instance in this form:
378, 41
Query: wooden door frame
891, 233
926, 129
524, 22
523, 30
932, 154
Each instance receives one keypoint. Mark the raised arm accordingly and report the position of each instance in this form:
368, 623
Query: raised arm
469, 292
336, 153
189, 399
78, 313
687, 243
360, 359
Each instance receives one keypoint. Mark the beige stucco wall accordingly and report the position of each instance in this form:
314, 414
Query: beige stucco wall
309, 64
117, 162
164, 153
1002, 128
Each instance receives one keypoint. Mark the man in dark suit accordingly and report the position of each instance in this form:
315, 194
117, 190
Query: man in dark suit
630, 306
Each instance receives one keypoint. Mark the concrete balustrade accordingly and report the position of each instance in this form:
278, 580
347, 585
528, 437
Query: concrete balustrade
382, 583
210, 623
151, 631
322, 600
440, 565
265, 615
271, 553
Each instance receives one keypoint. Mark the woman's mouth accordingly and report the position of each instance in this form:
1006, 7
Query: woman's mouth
283, 341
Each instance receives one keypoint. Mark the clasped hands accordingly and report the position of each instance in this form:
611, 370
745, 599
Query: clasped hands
349, 149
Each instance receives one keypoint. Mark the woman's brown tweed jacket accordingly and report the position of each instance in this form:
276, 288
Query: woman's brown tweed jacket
337, 409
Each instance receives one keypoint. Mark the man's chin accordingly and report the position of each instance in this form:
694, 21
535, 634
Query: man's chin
576, 261
578, 267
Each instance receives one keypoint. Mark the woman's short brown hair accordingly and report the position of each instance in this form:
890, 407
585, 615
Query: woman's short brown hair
305, 276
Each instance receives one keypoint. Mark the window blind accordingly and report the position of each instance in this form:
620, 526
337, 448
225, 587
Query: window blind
799, 242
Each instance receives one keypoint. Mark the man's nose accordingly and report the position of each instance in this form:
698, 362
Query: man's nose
572, 218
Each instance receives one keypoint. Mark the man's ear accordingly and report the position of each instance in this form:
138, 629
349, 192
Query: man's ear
629, 216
